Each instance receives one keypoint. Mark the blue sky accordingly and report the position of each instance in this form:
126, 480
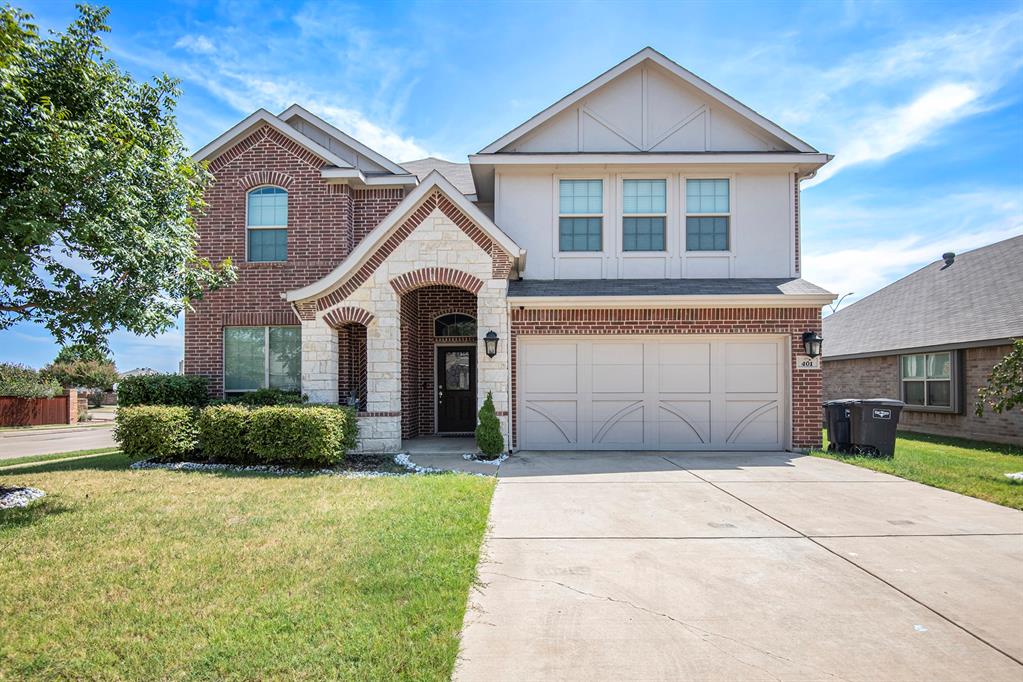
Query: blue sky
922, 103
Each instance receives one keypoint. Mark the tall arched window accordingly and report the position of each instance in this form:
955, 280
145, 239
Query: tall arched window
267, 224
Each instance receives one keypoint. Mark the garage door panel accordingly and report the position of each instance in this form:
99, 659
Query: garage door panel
683, 422
618, 422
752, 422
709, 393
552, 422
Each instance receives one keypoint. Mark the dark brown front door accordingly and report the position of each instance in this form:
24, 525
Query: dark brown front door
456, 389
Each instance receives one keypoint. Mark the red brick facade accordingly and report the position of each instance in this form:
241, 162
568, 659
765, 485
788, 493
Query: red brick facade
322, 221
806, 384
878, 377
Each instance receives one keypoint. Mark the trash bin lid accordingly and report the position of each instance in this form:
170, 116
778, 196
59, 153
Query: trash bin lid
889, 402
840, 401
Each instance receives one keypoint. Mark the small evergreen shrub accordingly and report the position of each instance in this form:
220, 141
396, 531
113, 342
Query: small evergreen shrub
488, 432
223, 432
264, 397
163, 389
159, 431
308, 435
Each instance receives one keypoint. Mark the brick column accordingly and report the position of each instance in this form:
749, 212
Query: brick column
72, 406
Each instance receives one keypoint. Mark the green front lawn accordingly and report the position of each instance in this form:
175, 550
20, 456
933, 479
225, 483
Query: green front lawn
121, 574
28, 459
969, 467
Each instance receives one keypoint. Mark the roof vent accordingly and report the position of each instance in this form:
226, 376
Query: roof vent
949, 258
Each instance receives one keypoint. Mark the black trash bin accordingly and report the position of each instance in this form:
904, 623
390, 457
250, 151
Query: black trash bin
872, 425
836, 420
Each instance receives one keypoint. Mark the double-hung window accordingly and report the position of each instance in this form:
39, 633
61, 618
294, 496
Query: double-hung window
928, 380
581, 215
708, 215
267, 224
262, 357
644, 210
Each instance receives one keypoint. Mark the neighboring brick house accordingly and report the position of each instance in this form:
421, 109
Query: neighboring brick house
660, 306
931, 339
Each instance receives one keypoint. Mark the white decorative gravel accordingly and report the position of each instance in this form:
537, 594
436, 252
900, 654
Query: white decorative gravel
475, 457
1018, 476
402, 459
19, 497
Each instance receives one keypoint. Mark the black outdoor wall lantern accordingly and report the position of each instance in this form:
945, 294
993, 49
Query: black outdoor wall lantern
490, 340
812, 343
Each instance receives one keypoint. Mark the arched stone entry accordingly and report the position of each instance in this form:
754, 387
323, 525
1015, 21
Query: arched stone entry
420, 349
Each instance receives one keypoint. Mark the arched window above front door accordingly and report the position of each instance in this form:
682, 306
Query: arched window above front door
455, 324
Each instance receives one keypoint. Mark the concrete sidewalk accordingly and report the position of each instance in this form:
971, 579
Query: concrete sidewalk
48, 441
768, 566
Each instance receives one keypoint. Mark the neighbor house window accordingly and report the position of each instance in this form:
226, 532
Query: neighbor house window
455, 324
644, 210
581, 215
267, 224
262, 357
708, 214
928, 379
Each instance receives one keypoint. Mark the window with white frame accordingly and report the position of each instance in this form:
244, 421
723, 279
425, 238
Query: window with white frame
267, 224
644, 211
262, 357
928, 380
581, 215
708, 215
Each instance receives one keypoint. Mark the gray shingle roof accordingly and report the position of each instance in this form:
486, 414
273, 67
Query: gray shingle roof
661, 287
458, 174
978, 298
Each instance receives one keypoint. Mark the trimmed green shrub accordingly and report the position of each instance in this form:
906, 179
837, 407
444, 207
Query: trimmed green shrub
310, 435
265, 397
163, 389
157, 431
21, 381
488, 432
223, 432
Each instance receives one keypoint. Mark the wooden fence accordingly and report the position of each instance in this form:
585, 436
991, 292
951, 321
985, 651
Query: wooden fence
61, 409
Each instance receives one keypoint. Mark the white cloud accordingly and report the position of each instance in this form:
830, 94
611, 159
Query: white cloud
865, 263
196, 44
897, 130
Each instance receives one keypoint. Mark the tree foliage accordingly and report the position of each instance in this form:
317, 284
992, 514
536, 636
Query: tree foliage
488, 431
1004, 390
97, 190
21, 381
96, 374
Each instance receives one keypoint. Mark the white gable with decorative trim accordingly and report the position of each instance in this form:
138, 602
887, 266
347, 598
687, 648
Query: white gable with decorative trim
648, 103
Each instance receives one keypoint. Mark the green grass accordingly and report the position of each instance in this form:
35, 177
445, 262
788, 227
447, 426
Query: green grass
969, 467
28, 459
121, 574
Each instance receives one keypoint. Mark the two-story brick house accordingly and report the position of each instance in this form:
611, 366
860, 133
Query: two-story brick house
621, 271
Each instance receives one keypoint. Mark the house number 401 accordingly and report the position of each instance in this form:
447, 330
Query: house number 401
806, 362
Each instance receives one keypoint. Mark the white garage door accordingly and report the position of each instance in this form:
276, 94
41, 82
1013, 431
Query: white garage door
635, 393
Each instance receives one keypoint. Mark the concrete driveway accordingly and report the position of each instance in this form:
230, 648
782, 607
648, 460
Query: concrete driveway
740, 567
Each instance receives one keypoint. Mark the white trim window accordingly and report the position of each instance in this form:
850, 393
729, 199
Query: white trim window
262, 357
266, 224
644, 215
928, 380
580, 215
708, 214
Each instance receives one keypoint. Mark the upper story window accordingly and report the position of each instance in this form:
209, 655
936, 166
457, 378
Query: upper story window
644, 210
928, 380
267, 224
581, 215
708, 214
455, 324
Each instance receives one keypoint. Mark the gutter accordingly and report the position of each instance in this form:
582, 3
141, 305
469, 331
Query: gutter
674, 301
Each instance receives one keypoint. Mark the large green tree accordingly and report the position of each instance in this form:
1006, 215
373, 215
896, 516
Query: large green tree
97, 190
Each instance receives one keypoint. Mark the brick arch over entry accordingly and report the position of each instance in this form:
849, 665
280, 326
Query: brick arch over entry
426, 277
347, 314
264, 177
